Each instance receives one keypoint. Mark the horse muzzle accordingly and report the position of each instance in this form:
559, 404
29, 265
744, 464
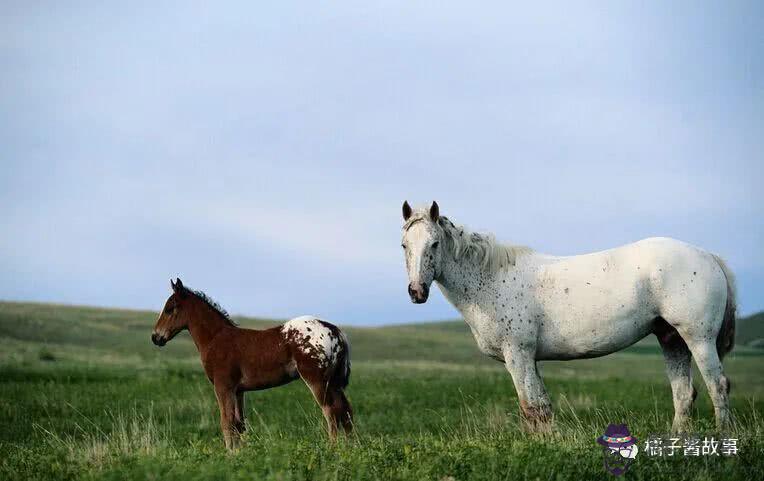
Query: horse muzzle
158, 340
419, 293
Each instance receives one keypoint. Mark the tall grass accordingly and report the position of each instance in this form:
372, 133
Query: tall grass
132, 433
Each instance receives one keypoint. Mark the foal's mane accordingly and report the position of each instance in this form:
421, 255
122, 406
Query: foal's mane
482, 249
213, 304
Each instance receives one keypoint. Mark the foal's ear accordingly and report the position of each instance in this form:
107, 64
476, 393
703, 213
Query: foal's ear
406, 210
434, 211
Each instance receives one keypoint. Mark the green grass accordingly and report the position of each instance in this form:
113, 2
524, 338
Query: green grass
84, 395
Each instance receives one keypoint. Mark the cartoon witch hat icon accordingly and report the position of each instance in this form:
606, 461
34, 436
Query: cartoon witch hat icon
619, 448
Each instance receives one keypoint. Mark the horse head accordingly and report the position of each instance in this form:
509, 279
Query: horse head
421, 247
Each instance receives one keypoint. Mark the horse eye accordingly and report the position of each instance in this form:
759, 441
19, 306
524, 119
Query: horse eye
403, 245
435, 244
169, 309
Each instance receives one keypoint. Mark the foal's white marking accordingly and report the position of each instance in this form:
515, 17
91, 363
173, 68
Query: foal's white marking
317, 339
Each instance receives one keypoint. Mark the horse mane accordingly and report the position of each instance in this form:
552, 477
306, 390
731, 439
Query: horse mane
482, 249
213, 304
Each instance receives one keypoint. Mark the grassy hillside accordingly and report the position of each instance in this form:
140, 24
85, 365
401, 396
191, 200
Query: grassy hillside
76, 333
750, 330
85, 395
79, 333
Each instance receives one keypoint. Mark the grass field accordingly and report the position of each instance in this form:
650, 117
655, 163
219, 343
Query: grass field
85, 395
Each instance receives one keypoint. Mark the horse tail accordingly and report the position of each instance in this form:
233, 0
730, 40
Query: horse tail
341, 375
725, 340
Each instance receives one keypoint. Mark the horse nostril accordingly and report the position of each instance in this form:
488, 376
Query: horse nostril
411, 290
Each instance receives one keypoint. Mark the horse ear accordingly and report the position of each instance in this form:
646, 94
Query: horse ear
406, 210
172, 285
434, 211
177, 286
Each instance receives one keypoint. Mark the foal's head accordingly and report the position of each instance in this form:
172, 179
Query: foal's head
174, 316
421, 246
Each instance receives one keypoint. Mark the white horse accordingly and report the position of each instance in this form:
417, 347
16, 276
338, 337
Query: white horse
523, 306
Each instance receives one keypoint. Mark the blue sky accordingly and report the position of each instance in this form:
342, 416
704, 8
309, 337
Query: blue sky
262, 152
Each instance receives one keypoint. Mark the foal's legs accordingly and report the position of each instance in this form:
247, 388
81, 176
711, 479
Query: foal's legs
534, 400
325, 399
342, 411
227, 403
335, 406
239, 412
679, 370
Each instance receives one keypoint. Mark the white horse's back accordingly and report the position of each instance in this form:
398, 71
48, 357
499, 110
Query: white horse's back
599, 303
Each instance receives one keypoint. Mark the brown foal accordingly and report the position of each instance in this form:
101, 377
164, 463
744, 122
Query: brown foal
237, 360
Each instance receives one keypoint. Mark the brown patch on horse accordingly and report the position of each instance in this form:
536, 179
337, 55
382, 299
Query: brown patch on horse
237, 360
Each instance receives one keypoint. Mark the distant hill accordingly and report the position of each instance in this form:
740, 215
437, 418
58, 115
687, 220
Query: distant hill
750, 330
31, 331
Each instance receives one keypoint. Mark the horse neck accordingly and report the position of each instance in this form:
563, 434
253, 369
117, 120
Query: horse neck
204, 324
460, 280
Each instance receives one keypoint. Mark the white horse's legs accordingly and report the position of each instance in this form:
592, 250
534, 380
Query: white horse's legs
679, 370
534, 400
710, 367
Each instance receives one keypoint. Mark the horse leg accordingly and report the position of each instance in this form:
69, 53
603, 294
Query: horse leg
325, 399
679, 370
535, 405
227, 404
710, 367
239, 412
342, 411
